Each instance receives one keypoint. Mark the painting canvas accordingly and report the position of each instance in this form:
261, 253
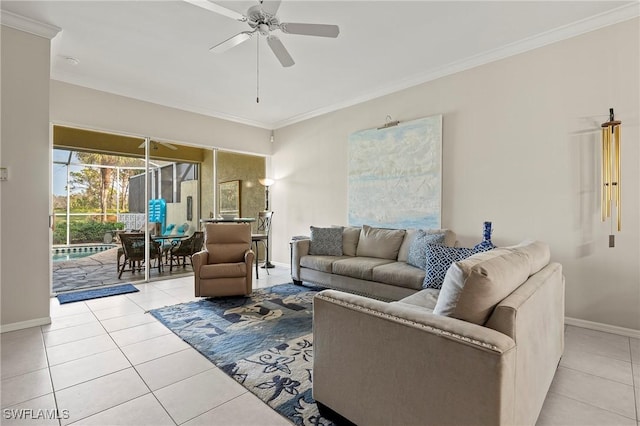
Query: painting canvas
230, 198
395, 175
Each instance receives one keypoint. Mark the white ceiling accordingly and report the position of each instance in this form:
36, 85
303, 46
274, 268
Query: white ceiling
158, 51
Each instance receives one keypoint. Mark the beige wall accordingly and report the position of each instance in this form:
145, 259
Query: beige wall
514, 152
24, 198
96, 110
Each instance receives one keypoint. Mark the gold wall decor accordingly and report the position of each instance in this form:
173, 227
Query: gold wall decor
610, 188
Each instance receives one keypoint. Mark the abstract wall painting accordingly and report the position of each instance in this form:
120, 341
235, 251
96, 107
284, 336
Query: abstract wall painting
395, 175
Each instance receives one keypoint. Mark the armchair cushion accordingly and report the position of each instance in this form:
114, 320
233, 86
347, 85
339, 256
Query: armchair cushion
223, 270
226, 244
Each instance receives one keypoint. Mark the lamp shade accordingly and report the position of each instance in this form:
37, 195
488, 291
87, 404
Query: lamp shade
266, 182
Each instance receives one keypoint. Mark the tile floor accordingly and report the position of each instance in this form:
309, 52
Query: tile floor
107, 362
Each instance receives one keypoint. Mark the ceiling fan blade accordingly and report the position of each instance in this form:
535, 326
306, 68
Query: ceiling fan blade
280, 51
213, 7
319, 30
270, 6
231, 42
154, 145
168, 145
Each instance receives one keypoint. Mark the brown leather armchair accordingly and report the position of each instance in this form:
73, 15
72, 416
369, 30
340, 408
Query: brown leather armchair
224, 267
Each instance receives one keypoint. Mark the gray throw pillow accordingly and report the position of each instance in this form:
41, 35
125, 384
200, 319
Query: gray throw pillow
326, 241
418, 250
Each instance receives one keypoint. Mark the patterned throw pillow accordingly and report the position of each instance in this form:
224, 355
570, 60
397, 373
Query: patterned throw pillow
440, 257
418, 250
326, 241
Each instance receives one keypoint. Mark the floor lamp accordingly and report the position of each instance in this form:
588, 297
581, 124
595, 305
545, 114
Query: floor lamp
266, 182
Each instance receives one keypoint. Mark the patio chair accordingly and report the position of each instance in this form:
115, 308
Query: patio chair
264, 229
186, 248
133, 251
224, 267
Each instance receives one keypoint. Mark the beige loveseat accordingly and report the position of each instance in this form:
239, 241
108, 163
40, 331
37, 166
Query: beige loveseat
489, 361
373, 263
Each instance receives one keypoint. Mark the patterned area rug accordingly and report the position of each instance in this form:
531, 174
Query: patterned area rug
265, 342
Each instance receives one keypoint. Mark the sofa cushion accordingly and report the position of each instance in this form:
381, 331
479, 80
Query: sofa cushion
425, 299
449, 240
539, 254
455, 278
326, 241
358, 267
454, 281
319, 263
488, 282
350, 238
418, 250
439, 258
399, 274
380, 243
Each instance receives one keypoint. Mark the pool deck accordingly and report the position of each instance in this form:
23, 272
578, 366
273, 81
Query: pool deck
100, 269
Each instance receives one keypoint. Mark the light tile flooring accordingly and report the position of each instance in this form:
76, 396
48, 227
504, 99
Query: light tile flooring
108, 362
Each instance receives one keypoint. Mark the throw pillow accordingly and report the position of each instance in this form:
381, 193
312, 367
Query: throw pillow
455, 279
403, 254
380, 243
350, 237
488, 283
418, 250
440, 258
326, 241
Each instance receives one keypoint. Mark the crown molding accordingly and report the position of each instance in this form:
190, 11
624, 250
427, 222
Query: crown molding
28, 25
610, 17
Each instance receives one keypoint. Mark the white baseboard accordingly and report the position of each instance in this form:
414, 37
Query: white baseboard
598, 326
25, 324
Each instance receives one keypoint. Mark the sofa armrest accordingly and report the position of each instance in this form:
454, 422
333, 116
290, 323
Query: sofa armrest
299, 248
408, 366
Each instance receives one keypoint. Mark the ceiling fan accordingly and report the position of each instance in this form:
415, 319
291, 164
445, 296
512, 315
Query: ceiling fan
263, 21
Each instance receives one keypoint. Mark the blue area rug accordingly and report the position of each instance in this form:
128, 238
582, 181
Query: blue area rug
265, 342
96, 293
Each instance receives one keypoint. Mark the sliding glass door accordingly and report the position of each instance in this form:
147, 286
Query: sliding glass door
146, 191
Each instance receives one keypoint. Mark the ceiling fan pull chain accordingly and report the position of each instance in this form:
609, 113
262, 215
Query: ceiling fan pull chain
258, 70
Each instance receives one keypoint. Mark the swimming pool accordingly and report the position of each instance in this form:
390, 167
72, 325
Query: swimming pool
61, 254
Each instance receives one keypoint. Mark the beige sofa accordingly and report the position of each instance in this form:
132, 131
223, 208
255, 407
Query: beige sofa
489, 361
373, 263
